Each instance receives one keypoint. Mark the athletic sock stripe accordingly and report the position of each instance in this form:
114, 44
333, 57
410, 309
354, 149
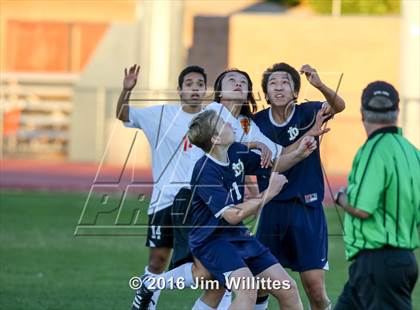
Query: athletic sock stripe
136, 305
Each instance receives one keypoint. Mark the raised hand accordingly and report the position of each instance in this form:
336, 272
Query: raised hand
322, 115
311, 75
306, 147
265, 154
130, 77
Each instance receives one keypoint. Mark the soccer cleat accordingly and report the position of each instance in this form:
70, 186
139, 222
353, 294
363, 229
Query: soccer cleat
143, 296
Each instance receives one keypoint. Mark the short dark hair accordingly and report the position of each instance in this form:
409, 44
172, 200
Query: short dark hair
283, 67
247, 108
190, 69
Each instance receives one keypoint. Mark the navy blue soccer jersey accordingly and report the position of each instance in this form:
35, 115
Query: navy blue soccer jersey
217, 186
305, 179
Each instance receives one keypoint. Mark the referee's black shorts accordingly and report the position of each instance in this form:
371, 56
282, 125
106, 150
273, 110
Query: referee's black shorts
380, 279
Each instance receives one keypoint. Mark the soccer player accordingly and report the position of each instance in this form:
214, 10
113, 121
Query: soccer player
293, 224
218, 239
165, 127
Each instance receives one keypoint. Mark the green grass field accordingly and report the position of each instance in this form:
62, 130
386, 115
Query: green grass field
44, 266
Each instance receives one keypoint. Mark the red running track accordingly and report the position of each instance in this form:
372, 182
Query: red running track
80, 177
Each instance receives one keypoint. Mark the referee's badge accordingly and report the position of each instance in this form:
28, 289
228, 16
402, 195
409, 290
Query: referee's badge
311, 197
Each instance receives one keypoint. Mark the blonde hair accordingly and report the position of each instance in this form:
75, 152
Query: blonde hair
202, 128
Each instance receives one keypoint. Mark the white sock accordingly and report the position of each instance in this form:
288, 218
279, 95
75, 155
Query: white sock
226, 301
156, 293
182, 274
200, 305
262, 306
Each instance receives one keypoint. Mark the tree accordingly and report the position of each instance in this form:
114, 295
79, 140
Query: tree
348, 7
287, 3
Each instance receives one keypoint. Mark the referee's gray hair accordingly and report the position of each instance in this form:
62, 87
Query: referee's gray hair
389, 117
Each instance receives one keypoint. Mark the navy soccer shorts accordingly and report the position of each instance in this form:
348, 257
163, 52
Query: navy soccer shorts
296, 234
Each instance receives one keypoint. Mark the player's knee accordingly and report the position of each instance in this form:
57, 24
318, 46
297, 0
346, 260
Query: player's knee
316, 294
293, 285
157, 262
156, 266
246, 293
290, 285
291, 289
248, 296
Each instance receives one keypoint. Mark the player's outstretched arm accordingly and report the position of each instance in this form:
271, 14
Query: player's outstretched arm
243, 210
336, 103
130, 80
285, 161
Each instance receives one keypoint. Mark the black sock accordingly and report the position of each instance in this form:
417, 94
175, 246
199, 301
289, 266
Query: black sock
262, 299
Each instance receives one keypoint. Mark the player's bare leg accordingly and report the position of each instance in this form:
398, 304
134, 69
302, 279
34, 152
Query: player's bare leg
314, 284
189, 274
210, 298
158, 259
199, 271
244, 297
287, 298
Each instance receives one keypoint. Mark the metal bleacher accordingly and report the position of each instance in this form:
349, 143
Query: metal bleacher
43, 103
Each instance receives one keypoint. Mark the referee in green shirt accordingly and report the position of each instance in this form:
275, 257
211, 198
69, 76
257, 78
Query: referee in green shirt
382, 205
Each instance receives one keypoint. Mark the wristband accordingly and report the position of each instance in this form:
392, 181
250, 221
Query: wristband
337, 195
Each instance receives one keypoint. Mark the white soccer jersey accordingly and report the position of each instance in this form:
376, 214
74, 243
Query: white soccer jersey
173, 156
245, 129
